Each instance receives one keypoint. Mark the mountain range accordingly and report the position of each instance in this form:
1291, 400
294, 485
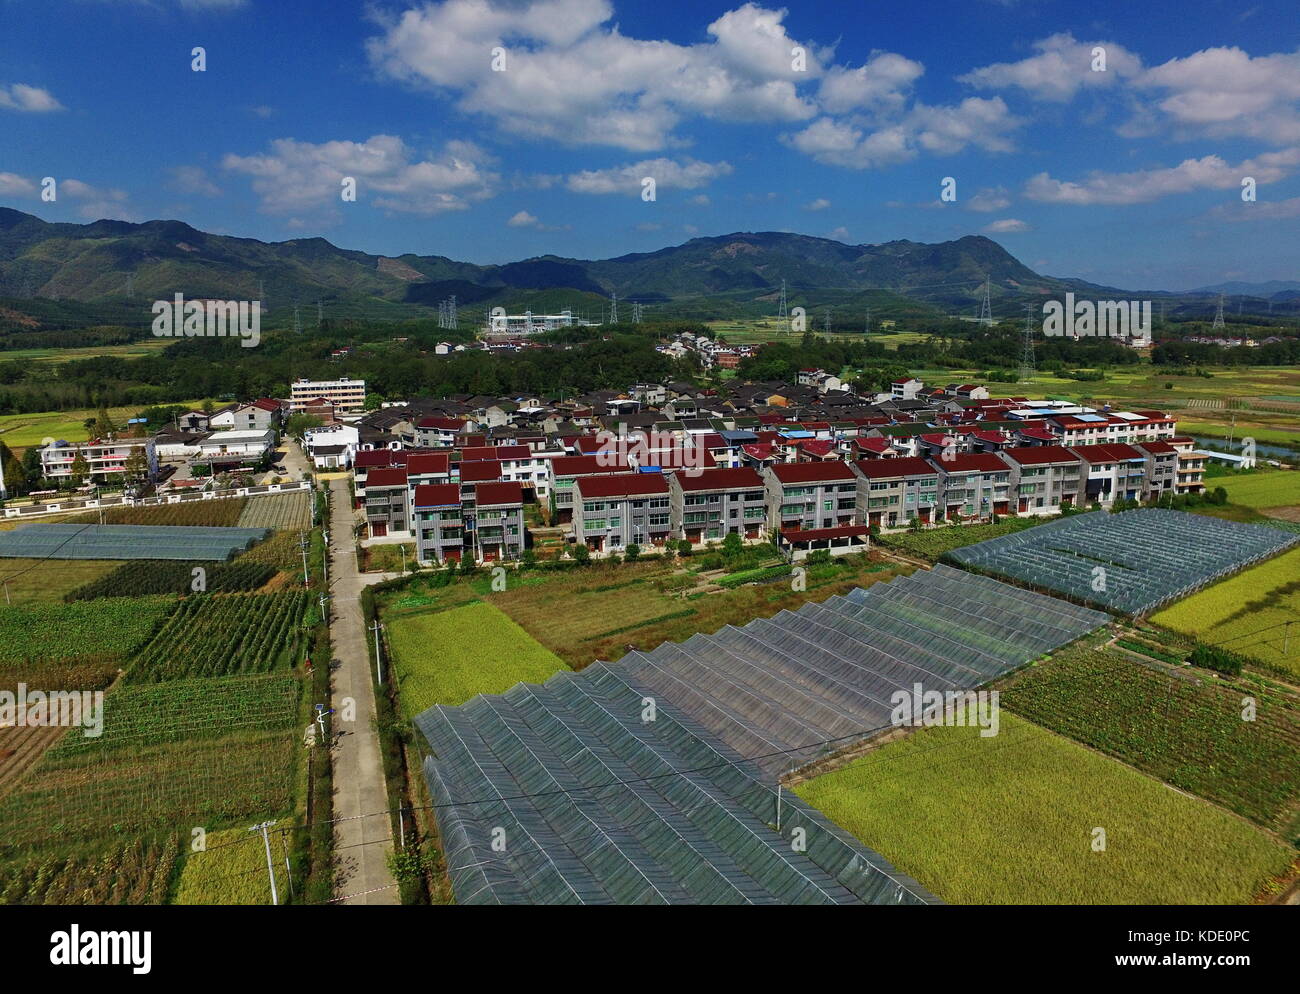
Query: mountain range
114, 262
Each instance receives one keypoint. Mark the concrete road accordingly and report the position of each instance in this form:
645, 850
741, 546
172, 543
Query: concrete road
363, 840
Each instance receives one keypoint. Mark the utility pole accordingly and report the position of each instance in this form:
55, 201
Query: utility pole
379, 669
324, 610
302, 544
270, 867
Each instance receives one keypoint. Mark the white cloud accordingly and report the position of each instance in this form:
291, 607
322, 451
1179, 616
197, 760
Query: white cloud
989, 199
264, 111
820, 204
1261, 210
192, 179
1062, 67
940, 130
97, 202
1224, 91
1006, 225
1207, 173
840, 234
31, 99
13, 185
699, 200
667, 174
880, 84
522, 219
297, 176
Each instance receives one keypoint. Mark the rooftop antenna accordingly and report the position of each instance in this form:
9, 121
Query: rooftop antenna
1218, 315
1027, 346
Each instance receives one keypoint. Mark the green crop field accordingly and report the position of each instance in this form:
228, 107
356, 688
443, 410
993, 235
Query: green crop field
278, 511
137, 872
217, 513
41, 580
1190, 734
1277, 488
22, 430
1255, 613
216, 634
232, 870
1011, 819
138, 577
932, 543
78, 631
449, 657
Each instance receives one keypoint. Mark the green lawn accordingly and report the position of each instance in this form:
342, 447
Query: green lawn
449, 657
1010, 819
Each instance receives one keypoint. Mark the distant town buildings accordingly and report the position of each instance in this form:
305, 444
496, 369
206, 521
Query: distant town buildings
347, 396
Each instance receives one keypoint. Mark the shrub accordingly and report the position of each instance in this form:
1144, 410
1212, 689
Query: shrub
632, 553
1213, 657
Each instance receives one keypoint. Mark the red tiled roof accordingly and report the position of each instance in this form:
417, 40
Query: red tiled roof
386, 476
1157, 447
890, 468
974, 462
588, 465
437, 495
421, 463
446, 424
477, 453
761, 451
873, 444
497, 494
373, 457
480, 472
795, 535
1042, 433
817, 446
743, 478
621, 485
812, 472
1106, 453
1038, 455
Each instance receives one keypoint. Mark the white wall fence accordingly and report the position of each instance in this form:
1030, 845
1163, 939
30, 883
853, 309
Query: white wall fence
183, 497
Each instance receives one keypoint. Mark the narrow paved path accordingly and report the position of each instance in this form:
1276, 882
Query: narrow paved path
363, 839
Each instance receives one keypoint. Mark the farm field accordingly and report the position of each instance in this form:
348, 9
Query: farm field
219, 634
136, 872
1187, 733
79, 631
451, 656
616, 605
57, 356
232, 870
139, 577
1248, 613
280, 511
23, 430
33, 581
281, 550
932, 543
1010, 819
223, 513
1278, 488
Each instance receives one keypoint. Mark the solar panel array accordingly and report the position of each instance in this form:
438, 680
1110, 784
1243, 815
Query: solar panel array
653, 780
1132, 562
72, 541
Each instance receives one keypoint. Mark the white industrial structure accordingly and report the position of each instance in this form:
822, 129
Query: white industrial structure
528, 323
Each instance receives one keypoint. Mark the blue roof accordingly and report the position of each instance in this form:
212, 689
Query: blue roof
650, 469
1090, 418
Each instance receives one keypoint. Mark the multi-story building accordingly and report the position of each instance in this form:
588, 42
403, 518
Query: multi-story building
810, 495
564, 470
611, 512
235, 448
494, 521
1112, 472
974, 485
1045, 478
386, 501
710, 505
439, 524
105, 459
1162, 466
891, 492
346, 395
1191, 466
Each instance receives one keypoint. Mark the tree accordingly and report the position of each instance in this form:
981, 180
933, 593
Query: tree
683, 548
299, 424
581, 554
80, 468
104, 426
732, 546
136, 465
632, 553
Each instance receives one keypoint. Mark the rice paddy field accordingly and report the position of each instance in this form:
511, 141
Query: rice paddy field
451, 656
1255, 614
231, 870
1184, 729
1262, 490
1011, 819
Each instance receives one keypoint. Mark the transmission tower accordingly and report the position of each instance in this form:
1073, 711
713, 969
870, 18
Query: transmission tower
1027, 346
986, 309
451, 312
320, 313
828, 322
297, 321
781, 314
130, 286
613, 307
1218, 315
261, 294
867, 328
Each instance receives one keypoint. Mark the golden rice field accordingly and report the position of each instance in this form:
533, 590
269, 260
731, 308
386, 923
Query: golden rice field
1249, 613
1013, 819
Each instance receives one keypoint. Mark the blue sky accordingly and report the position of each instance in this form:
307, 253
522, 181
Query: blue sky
1129, 176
